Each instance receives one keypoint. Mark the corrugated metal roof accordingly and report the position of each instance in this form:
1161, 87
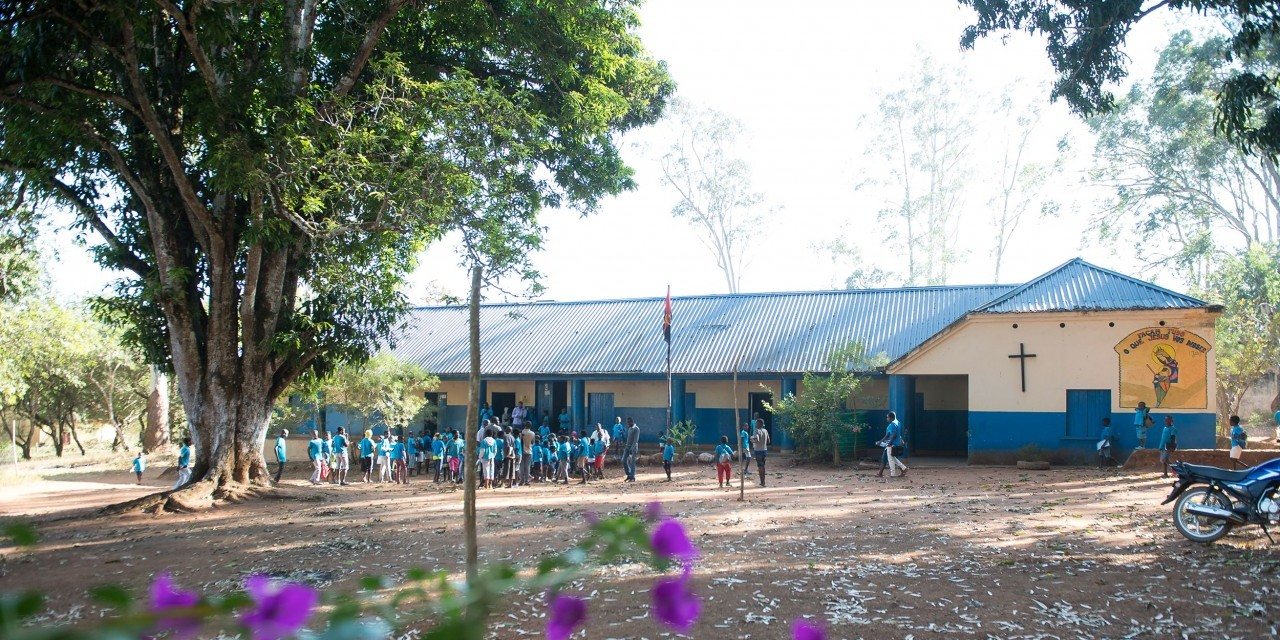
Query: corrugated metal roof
771, 333
763, 333
1080, 286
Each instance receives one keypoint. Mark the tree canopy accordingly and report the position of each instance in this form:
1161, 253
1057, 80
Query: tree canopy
266, 173
1085, 40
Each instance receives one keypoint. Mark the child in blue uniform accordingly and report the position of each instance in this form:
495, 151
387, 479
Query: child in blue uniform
139, 465
1168, 443
1239, 440
724, 461
366, 455
668, 454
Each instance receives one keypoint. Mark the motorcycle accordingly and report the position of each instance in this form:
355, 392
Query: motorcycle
1211, 501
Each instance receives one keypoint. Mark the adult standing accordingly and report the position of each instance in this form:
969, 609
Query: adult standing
281, 455
890, 442
519, 414
1168, 443
631, 450
314, 448
760, 448
384, 457
341, 462
184, 463
526, 454
1141, 420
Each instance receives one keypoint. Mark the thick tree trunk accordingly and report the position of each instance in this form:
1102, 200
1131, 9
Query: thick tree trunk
155, 436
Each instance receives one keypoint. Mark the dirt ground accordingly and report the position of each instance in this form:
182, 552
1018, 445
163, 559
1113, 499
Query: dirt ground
948, 552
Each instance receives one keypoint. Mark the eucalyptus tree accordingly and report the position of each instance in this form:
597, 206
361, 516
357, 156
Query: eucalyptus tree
265, 173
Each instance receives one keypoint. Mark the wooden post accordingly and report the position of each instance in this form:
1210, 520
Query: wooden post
469, 432
742, 454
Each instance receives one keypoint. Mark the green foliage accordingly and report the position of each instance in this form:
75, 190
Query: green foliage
266, 174
815, 418
1085, 43
22, 534
1248, 333
681, 435
1183, 195
380, 607
381, 388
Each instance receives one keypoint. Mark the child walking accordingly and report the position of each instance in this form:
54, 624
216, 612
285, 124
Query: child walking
139, 465
668, 454
724, 462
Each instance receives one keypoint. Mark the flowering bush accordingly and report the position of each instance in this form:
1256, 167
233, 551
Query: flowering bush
266, 609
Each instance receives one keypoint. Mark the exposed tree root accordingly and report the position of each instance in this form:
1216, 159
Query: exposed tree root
197, 496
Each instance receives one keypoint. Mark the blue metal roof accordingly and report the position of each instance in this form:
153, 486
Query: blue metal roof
1080, 286
764, 333
761, 332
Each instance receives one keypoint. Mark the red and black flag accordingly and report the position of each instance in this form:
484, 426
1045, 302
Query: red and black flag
666, 317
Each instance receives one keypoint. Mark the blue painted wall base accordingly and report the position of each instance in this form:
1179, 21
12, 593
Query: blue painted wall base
996, 436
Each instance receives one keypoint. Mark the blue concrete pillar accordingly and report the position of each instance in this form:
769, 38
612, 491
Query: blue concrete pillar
782, 432
677, 401
902, 394
579, 404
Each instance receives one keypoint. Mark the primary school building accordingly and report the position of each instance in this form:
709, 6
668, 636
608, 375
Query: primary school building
973, 371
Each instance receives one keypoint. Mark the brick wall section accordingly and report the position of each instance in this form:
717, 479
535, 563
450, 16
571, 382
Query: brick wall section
1149, 459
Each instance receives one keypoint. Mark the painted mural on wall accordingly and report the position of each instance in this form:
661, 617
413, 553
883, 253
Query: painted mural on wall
1165, 367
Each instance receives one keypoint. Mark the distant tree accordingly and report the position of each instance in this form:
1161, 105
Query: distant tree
714, 186
1085, 43
265, 173
848, 258
1021, 180
1248, 333
1183, 196
924, 134
382, 388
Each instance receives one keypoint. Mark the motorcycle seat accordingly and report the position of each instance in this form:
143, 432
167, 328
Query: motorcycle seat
1216, 473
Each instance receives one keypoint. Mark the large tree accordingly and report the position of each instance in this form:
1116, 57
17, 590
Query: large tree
267, 172
1183, 196
1085, 41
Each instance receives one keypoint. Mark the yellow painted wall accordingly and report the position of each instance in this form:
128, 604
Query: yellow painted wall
523, 389
1080, 355
718, 394
641, 393
943, 393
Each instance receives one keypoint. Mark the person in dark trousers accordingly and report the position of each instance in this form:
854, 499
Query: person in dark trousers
631, 450
281, 456
668, 455
744, 447
760, 448
1168, 443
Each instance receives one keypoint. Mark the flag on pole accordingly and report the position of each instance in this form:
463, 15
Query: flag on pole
666, 317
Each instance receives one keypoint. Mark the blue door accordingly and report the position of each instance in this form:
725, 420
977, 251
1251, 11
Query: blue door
600, 409
1085, 410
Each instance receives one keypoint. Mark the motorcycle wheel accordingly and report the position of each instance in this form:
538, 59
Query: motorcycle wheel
1199, 528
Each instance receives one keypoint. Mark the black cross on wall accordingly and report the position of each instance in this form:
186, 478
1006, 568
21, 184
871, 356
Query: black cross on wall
1022, 356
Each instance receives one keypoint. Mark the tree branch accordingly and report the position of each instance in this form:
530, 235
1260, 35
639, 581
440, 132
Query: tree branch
371, 38
186, 27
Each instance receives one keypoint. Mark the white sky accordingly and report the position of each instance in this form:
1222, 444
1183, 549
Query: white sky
800, 75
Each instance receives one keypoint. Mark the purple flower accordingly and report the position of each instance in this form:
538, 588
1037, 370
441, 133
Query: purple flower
653, 511
165, 597
670, 541
279, 609
802, 629
591, 517
567, 614
674, 604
